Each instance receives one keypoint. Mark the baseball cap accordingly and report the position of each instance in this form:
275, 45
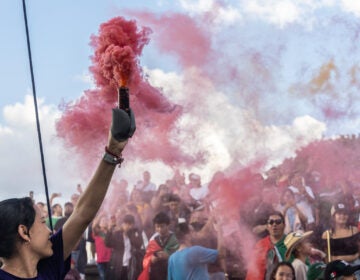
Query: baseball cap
339, 207
339, 268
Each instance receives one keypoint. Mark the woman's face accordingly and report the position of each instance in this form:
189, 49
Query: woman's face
137, 197
104, 222
341, 218
39, 236
305, 247
164, 190
288, 197
284, 273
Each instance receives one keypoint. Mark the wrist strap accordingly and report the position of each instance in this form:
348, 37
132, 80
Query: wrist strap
111, 158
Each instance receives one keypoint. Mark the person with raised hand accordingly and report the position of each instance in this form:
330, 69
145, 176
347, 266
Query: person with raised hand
28, 250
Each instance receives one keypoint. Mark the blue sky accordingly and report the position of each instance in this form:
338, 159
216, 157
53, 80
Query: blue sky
268, 68
59, 35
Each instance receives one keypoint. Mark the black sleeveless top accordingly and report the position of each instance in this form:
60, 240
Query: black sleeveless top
344, 246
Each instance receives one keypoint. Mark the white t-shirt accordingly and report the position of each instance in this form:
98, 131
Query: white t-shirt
150, 187
300, 269
127, 251
303, 204
199, 193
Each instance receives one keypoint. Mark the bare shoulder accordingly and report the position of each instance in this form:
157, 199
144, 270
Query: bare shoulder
325, 234
354, 229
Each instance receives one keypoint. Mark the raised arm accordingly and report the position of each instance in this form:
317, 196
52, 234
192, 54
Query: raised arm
123, 127
89, 202
52, 197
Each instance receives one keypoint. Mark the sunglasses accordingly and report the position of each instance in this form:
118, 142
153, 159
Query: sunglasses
277, 222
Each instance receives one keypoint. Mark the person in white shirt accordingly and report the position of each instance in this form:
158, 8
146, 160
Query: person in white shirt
305, 199
126, 242
197, 192
148, 186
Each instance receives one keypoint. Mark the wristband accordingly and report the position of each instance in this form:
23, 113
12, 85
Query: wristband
111, 158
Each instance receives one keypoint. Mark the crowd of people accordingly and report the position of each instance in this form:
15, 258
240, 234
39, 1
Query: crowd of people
142, 233
241, 225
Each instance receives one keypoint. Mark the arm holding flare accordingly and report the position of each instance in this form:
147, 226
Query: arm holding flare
123, 127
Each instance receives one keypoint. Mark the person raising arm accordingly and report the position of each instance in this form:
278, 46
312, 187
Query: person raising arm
27, 248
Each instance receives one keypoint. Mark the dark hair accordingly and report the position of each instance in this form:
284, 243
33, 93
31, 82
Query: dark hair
162, 187
14, 212
181, 231
68, 210
129, 219
276, 213
54, 207
161, 218
286, 190
174, 198
335, 207
68, 204
280, 264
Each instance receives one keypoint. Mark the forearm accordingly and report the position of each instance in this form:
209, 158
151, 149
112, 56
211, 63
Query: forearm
93, 196
301, 215
259, 229
309, 197
87, 206
51, 201
222, 256
220, 248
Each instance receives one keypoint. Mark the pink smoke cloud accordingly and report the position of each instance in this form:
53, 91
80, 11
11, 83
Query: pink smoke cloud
83, 124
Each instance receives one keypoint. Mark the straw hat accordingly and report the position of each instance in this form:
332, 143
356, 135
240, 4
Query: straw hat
293, 239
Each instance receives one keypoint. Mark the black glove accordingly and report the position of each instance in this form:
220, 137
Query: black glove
123, 124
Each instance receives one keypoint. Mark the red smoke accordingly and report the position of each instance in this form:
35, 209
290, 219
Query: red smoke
119, 44
181, 36
335, 160
117, 48
85, 123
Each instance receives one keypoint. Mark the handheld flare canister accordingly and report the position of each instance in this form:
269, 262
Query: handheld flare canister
123, 125
124, 102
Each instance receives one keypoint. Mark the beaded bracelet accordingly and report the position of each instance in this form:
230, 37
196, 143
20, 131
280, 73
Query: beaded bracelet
111, 158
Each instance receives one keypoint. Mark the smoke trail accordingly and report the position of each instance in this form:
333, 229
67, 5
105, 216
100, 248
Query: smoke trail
83, 124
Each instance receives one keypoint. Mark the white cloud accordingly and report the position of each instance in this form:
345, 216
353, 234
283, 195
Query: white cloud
282, 142
277, 12
21, 163
170, 83
230, 134
351, 6
280, 12
220, 14
199, 6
